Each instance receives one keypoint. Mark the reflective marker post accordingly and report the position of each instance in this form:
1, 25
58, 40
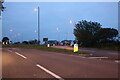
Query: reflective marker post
48, 45
75, 47
53, 44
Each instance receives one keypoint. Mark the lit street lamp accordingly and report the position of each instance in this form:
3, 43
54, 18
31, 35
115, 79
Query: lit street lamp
58, 33
71, 22
11, 30
35, 31
67, 33
10, 34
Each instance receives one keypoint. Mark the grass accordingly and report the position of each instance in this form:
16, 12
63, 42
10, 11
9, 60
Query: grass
45, 48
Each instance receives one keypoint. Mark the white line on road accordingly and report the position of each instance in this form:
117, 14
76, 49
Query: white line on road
51, 73
98, 57
86, 50
9, 50
117, 61
21, 55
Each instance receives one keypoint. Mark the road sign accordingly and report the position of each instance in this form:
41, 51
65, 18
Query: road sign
75, 47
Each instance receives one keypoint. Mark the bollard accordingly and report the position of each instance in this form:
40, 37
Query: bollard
53, 44
48, 45
75, 47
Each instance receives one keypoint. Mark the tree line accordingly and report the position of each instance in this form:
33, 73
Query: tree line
92, 34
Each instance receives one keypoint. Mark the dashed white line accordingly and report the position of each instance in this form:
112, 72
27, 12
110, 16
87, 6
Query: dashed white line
98, 57
21, 55
83, 57
9, 50
51, 73
117, 61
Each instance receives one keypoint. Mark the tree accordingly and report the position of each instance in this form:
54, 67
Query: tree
5, 39
85, 32
106, 34
1, 5
91, 33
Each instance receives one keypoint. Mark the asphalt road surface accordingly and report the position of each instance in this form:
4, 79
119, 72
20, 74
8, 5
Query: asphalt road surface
104, 54
32, 63
96, 53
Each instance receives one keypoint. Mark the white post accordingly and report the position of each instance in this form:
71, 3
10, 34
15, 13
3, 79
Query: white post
75, 47
48, 45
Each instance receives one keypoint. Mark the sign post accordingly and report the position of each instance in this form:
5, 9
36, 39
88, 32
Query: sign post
75, 47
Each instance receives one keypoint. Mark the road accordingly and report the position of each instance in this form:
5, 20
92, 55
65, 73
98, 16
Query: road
96, 53
32, 63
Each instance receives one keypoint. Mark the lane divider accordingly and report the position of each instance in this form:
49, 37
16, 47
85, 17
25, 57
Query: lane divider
117, 61
9, 50
49, 72
21, 55
98, 57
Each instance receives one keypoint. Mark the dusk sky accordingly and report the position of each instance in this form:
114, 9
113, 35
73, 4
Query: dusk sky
20, 19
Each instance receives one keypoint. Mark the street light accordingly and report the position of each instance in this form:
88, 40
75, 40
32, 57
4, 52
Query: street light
10, 34
58, 33
19, 36
71, 22
37, 10
35, 31
67, 33
11, 30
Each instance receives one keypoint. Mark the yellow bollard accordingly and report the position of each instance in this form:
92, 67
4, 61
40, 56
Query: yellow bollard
53, 44
48, 45
75, 47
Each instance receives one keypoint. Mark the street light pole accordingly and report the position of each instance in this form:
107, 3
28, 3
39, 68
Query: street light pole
38, 27
38, 19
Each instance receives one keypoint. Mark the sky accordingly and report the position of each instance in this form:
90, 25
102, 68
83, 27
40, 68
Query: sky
20, 19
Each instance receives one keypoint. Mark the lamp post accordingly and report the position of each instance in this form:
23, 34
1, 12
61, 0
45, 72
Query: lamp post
58, 33
37, 10
10, 34
70, 22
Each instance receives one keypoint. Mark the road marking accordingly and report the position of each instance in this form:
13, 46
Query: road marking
98, 57
9, 50
83, 57
21, 55
87, 50
51, 73
117, 61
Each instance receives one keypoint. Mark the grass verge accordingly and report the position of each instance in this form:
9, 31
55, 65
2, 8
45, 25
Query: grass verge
45, 48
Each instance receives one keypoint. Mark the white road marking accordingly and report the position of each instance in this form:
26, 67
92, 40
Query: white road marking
21, 55
51, 73
83, 57
9, 50
86, 50
117, 61
98, 57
